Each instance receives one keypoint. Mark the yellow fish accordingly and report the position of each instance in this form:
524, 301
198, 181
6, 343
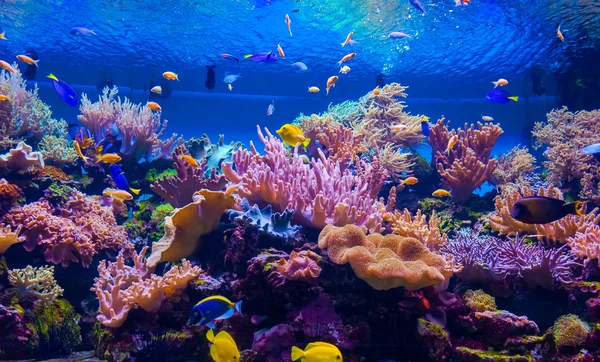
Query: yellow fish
348, 38
78, 151
4, 65
190, 160
28, 60
559, 34
154, 106
280, 50
451, 142
156, 89
410, 181
487, 118
292, 135
314, 89
109, 158
441, 193
2, 35
223, 348
170, 76
317, 352
117, 194
3, 97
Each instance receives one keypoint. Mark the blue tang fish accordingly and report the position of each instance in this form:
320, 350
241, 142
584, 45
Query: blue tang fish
213, 308
501, 96
119, 178
593, 150
64, 90
425, 128
262, 57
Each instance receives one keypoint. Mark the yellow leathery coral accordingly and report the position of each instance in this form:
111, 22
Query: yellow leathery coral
427, 232
8, 237
38, 283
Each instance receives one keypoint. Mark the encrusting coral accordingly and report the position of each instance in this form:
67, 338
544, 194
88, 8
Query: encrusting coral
384, 262
37, 283
301, 265
570, 331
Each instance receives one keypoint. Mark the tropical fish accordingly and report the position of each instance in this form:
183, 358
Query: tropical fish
417, 5
263, 57
28, 60
119, 178
376, 92
348, 38
288, 22
230, 57
314, 89
117, 194
346, 58
317, 352
292, 135
425, 128
300, 66
3, 97
451, 142
258, 319
271, 108
410, 181
213, 308
78, 151
280, 51
501, 96
331, 82
210, 77
500, 82
230, 78
109, 158
593, 150
190, 160
81, 31
156, 89
352, 42
399, 127
170, 76
223, 348
345, 69
559, 34
80, 134
487, 118
3, 35
4, 65
154, 106
441, 193
543, 210
398, 35
64, 90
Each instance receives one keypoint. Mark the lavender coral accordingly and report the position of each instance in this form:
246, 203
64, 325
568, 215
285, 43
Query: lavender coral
36, 283
319, 193
21, 158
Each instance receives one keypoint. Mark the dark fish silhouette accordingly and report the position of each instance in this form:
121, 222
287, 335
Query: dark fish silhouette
543, 210
210, 76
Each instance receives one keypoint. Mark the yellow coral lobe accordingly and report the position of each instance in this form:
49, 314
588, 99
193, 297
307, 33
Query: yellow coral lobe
8, 237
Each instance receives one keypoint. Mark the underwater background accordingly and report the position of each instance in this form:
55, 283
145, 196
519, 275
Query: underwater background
173, 187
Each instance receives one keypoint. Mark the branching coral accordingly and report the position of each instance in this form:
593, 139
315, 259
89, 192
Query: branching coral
120, 287
384, 262
555, 232
585, 244
37, 283
73, 231
467, 165
407, 225
513, 166
319, 193
57, 150
301, 265
341, 142
178, 190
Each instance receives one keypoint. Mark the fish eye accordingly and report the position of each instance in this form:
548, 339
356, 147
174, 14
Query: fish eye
338, 357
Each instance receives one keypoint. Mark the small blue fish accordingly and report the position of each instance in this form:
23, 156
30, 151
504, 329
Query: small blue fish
417, 5
230, 78
81, 31
501, 96
119, 178
64, 90
262, 57
144, 197
593, 150
425, 128
213, 308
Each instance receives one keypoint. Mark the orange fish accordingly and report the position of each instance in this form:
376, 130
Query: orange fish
170, 76
2, 35
559, 34
288, 22
78, 151
500, 82
346, 58
376, 92
424, 300
28, 60
441, 193
117, 194
190, 160
399, 127
451, 142
3, 97
331, 82
348, 38
280, 50
154, 106
410, 181
4, 65
109, 158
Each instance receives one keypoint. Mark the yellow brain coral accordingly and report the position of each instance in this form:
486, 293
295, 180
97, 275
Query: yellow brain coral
384, 262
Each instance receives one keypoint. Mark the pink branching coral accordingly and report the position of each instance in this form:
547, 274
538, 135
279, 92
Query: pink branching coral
319, 193
300, 266
179, 190
121, 287
72, 232
514, 166
36, 283
585, 244
565, 134
468, 165
417, 226
140, 128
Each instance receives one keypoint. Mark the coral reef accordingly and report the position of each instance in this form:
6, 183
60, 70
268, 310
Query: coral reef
274, 224
417, 226
57, 150
21, 158
8, 237
570, 331
513, 166
36, 283
300, 266
479, 301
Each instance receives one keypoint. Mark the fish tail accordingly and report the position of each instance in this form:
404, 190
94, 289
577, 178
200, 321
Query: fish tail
297, 353
495, 84
575, 208
238, 307
92, 32
247, 56
327, 91
135, 191
306, 142
2, 35
210, 335
514, 98
35, 62
343, 44
53, 77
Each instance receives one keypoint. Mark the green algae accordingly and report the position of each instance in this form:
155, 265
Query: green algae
153, 175
479, 301
160, 213
55, 328
469, 354
430, 329
570, 331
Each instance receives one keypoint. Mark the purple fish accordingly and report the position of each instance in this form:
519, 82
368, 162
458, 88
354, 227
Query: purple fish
417, 5
501, 96
64, 90
81, 31
271, 108
398, 35
262, 57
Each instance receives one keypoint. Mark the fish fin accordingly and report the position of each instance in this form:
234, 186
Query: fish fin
227, 314
92, 32
210, 335
214, 354
575, 208
514, 98
306, 142
135, 191
247, 56
495, 84
53, 77
297, 353
226, 336
238, 307
2, 35
210, 325
35, 62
